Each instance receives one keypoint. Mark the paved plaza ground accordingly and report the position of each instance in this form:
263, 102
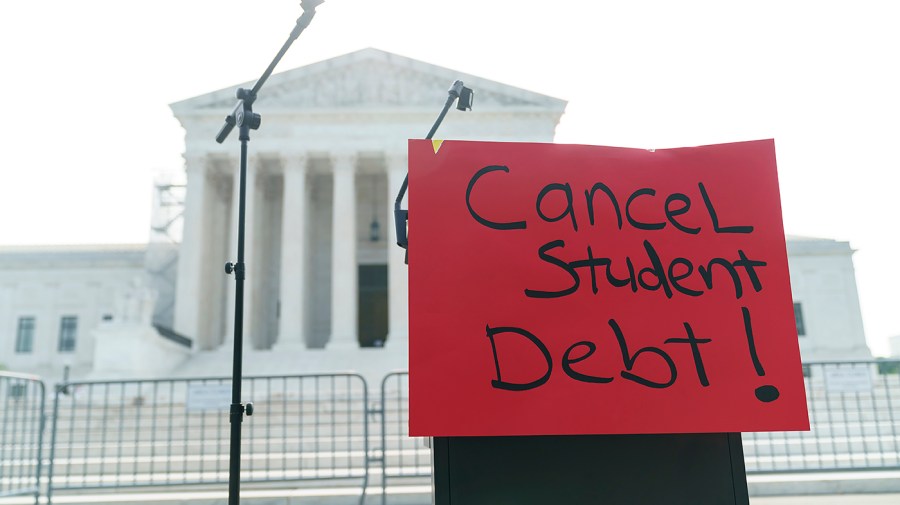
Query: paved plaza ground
404, 495
846, 499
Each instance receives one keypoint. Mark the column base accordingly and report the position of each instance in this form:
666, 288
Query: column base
289, 346
343, 343
397, 341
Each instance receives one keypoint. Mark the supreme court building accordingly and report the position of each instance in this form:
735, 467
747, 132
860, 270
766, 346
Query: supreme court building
326, 286
325, 168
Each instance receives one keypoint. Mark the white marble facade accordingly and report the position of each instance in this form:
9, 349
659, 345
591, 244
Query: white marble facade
324, 170
826, 302
324, 167
53, 297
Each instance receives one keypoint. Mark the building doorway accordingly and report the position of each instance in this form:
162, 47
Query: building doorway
373, 305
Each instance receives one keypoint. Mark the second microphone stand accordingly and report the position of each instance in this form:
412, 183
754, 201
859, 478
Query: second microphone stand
466, 96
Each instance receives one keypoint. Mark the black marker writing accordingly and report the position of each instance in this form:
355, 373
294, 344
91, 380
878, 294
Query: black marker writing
671, 209
669, 276
768, 392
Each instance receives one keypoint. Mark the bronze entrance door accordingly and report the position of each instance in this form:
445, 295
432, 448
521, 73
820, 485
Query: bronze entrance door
373, 305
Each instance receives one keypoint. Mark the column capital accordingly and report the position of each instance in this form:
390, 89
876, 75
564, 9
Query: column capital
396, 160
344, 160
255, 161
294, 162
196, 161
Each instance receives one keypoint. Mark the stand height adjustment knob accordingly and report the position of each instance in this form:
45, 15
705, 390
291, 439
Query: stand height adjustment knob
249, 408
229, 267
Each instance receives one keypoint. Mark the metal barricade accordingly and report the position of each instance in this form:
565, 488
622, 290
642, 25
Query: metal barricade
401, 456
172, 432
21, 434
854, 412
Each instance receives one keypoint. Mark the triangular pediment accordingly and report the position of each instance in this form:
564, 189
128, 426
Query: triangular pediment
370, 78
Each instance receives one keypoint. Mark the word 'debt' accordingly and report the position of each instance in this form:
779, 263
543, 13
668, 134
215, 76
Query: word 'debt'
583, 349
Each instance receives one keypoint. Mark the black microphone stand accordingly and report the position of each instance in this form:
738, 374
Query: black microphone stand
245, 119
465, 96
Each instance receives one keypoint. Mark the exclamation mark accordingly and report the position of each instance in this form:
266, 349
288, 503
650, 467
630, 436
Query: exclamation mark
767, 393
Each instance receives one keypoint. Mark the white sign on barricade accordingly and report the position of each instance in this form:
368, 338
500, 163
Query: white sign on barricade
207, 397
848, 379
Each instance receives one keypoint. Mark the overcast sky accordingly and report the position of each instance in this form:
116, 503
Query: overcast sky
87, 84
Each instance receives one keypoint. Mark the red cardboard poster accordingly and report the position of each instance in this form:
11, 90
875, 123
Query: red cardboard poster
571, 289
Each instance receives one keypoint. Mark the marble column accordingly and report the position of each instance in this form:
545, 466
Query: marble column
344, 269
292, 320
190, 254
252, 270
398, 280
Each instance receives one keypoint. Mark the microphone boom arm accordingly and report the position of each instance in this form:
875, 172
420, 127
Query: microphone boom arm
457, 91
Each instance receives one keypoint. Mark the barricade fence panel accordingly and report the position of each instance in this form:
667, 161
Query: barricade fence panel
401, 455
115, 434
21, 434
854, 413
854, 410
169, 432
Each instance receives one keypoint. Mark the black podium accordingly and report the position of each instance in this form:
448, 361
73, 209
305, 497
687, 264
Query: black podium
679, 469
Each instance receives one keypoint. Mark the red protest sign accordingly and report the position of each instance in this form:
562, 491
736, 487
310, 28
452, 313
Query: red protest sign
568, 289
